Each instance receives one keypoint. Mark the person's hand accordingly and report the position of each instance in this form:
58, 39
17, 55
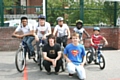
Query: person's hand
20, 36
93, 44
36, 38
68, 60
44, 37
106, 43
54, 62
68, 37
82, 64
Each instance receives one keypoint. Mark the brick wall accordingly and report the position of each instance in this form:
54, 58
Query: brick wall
33, 3
8, 43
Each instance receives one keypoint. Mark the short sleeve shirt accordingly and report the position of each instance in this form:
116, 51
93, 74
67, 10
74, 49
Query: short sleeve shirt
61, 31
25, 29
96, 39
79, 31
75, 53
52, 52
41, 30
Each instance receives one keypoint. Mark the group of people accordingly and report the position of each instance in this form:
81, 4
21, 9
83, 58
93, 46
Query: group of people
74, 53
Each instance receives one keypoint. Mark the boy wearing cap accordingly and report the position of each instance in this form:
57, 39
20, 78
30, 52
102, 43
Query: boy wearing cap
28, 34
96, 39
80, 30
43, 29
62, 30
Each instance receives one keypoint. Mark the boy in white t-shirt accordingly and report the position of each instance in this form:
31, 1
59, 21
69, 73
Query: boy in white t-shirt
80, 30
28, 34
43, 29
62, 30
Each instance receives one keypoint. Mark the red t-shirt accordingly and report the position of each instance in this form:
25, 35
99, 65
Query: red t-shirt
96, 39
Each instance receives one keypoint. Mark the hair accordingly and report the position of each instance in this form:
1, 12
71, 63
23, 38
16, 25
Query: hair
51, 36
24, 18
75, 34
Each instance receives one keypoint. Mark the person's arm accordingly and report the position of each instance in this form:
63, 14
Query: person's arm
86, 33
15, 33
106, 42
68, 31
55, 30
66, 58
65, 55
84, 61
84, 56
32, 31
46, 58
49, 30
59, 55
91, 41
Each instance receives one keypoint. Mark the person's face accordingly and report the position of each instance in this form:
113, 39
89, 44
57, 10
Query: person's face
96, 32
51, 41
42, 22
24, 22
75, 39
60, 23
79, 25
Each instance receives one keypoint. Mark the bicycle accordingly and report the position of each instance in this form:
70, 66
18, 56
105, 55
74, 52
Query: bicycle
62, 40
39, 57
20, 57
96, 56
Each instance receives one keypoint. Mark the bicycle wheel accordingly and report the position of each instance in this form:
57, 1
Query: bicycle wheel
102, 62
36, 55
89, 57
20, 60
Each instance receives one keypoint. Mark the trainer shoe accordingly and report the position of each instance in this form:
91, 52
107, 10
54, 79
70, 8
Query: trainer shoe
56, 73
70, 75
48, 73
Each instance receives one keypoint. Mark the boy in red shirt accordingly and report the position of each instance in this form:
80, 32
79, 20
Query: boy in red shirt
97, 38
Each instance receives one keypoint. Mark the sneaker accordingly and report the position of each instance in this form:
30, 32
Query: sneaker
96, 61
48, 73
56, 73
70, 75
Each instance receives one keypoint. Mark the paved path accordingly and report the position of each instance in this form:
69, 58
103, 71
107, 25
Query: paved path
111, 72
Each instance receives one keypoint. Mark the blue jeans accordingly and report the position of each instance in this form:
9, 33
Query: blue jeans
28, 40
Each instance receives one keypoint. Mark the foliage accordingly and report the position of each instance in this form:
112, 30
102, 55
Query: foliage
9, 3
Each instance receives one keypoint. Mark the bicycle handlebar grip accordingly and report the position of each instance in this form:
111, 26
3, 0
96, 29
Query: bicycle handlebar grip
13, 36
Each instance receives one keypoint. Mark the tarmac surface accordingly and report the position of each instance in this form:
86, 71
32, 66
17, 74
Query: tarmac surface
8, 70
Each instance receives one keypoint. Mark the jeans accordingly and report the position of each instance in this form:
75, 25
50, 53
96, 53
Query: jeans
72, 69
28, 40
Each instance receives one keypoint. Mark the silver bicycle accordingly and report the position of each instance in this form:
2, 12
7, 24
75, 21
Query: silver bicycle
20, 57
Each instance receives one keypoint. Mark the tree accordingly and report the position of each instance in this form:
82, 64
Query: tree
9, 3
109, 11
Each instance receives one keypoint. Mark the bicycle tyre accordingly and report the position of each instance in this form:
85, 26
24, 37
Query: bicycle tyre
88, 57
36, 55
20, 67
102, 62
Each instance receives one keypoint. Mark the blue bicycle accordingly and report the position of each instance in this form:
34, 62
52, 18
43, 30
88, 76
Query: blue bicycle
96, 56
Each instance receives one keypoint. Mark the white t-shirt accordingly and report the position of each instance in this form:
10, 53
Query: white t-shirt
61, 31
41, 30
25, 29
79, 31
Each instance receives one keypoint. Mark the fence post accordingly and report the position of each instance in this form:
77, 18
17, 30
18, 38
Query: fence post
115, 13
82, 10
2, 12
